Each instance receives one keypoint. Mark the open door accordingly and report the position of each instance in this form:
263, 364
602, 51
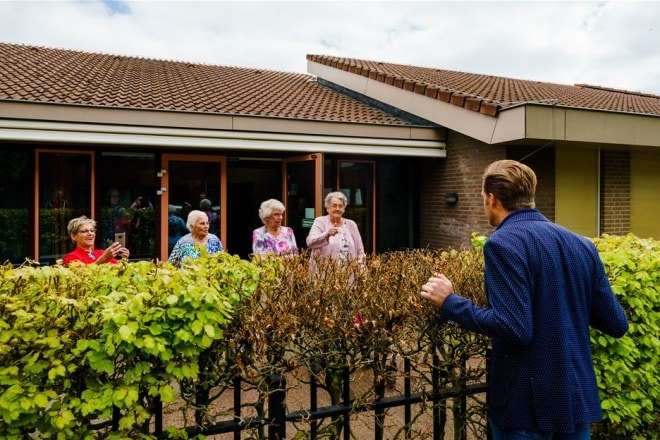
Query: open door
192, 182
302, 178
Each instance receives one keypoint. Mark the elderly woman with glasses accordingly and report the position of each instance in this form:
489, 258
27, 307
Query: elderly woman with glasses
333, 235
82, 231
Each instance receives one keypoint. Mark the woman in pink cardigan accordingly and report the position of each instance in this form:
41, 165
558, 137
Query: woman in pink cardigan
333, 235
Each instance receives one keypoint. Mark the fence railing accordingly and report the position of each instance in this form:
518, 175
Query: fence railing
275, 421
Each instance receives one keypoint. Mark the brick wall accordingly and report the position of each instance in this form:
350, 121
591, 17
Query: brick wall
614, 192
443, 225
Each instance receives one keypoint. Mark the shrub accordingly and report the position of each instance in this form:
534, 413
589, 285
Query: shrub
627, 368
78, 342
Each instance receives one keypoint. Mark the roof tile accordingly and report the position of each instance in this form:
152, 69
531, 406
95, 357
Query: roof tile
40, 74
497, 93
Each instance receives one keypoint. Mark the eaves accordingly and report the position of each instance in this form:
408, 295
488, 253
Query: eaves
518, 123
85, 125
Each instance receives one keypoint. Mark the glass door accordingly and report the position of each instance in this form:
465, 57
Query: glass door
64, 188
15, 197
128, 204
192, 182
356, 179
302, 177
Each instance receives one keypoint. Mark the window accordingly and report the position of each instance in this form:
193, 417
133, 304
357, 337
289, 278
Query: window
128, 202
15, 196
64, 191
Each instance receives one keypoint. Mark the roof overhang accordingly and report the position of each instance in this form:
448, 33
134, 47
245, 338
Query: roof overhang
525, 121
215, 132
591, 126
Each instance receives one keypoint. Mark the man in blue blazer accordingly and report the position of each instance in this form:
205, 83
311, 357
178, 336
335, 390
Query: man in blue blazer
545, 286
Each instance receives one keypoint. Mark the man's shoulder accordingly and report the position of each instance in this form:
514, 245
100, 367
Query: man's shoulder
539, 230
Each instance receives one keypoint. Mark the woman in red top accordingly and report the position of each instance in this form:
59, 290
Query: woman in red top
82, 231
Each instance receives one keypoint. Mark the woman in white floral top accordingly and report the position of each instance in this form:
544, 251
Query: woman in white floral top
272, 237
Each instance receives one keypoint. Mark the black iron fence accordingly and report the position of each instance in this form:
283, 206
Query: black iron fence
276, 422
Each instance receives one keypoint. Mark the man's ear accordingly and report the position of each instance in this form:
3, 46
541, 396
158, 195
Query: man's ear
491, 200
494, 203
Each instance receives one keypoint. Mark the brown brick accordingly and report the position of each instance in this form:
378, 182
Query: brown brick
615, 192
443, 225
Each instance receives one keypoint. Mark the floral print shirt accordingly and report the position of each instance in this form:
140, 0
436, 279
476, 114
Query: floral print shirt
263, 242
185, 247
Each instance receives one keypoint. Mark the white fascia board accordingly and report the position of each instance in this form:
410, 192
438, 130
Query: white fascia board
478, 126
99, 134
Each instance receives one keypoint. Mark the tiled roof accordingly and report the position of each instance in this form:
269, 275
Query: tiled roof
40, 74
489, 94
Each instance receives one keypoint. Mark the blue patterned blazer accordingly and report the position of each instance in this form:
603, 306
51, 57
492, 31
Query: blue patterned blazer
545, 286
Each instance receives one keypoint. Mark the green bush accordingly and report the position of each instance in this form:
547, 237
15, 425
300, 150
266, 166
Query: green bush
627, 368
78, 341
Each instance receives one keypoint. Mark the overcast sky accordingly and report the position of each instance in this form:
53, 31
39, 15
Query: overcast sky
609, 43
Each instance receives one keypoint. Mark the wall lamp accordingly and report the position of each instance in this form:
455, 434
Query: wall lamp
451, 198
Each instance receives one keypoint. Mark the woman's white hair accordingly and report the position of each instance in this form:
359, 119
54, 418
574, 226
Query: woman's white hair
266, 208
194, 216
335, 195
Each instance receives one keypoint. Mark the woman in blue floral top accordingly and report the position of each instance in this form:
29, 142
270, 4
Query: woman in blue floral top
272, 237
190, 245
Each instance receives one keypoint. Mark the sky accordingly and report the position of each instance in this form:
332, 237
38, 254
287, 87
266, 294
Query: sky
614, 44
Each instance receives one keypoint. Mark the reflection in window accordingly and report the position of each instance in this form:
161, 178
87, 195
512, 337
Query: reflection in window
14, 200
64, 193
193, 185
398, 197
128, 204
300, 198
356, 180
